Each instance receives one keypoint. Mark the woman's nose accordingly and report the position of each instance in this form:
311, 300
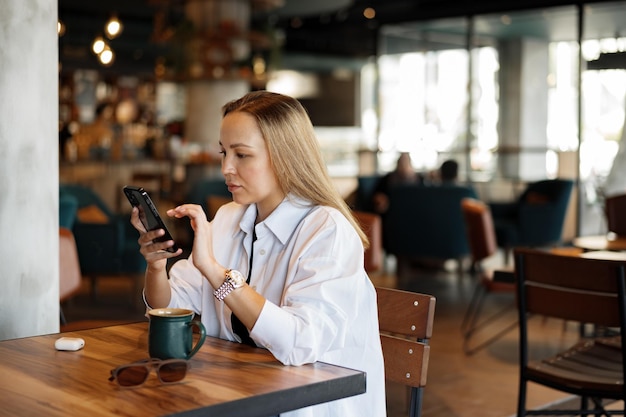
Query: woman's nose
227, 166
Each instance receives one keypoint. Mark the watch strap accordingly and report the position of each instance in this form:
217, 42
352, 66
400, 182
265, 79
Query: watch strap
223, 290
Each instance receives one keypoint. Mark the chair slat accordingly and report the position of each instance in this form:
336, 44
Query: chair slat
406, 361
406, 321
407, 313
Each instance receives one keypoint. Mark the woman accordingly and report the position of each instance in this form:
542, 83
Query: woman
284, 261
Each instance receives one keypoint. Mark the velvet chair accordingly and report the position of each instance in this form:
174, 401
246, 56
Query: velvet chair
106, 241
203, 189
426, 223
365, 191
536, 218
615, 211
68, 207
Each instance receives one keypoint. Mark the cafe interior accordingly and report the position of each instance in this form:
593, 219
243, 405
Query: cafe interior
527, 96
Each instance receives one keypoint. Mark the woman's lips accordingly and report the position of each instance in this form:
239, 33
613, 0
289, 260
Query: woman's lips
232, 187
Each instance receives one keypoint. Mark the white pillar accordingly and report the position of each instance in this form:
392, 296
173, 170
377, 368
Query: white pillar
524, 67
205, 99
29, 171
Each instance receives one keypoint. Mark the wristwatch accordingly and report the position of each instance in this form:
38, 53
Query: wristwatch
234, 279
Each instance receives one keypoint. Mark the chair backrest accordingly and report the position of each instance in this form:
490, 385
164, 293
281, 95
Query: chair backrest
542, 211
213, 204
91, 208
615, 211
69, 268
481, 234
373, 228
406, 325
426, 221
571, 288
366, 185
68, 207
201, 190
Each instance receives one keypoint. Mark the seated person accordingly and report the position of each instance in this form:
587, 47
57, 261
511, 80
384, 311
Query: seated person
447, 174
402, 174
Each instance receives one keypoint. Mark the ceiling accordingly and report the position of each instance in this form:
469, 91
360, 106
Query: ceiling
335, 30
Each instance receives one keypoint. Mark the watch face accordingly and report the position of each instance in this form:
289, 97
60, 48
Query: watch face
236, 277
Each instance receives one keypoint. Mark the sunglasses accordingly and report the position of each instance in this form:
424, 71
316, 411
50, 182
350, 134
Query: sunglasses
134, 374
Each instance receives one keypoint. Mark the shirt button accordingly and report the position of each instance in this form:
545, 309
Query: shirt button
262, 252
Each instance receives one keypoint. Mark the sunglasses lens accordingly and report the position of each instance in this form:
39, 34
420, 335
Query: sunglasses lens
132, 376
172, 372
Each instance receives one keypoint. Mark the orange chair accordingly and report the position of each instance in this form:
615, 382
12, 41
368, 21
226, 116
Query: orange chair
481, 238
373, 227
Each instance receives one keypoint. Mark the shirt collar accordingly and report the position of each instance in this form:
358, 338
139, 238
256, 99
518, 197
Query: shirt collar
281, 222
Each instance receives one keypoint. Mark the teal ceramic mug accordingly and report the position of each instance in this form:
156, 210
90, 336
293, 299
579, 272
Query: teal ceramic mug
170, 333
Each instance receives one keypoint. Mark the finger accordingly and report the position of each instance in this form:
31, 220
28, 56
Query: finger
151, 249
134, 220
146, 238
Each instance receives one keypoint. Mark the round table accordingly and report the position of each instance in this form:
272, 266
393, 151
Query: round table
608, 242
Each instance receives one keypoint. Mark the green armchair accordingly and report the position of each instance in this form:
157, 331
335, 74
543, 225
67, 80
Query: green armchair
426, 222
536, 218
106, 241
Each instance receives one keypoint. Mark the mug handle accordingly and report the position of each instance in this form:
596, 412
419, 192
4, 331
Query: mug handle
202, 332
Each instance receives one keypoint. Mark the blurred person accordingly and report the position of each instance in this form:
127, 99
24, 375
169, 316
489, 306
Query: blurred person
281, 267
402, 174
449, 171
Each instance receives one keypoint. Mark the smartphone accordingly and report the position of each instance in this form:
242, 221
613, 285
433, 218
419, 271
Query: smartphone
148, 214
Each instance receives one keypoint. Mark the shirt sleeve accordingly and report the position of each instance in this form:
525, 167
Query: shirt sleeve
320, 299
186, 282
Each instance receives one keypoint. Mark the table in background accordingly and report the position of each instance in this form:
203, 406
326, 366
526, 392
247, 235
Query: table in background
225, 379
608, 242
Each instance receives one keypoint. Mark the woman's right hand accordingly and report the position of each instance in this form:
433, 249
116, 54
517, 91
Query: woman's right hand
154, 252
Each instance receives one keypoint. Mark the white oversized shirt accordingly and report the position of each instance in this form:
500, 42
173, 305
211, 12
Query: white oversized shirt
321, 305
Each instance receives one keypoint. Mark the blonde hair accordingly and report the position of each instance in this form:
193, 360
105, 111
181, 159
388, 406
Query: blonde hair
293, 150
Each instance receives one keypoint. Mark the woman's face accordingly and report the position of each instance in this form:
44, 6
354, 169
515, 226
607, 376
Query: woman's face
246, 164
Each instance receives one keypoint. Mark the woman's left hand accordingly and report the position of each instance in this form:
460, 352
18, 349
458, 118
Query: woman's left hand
202, 247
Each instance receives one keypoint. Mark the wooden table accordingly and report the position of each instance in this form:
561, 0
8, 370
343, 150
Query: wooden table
225, 379
608, 242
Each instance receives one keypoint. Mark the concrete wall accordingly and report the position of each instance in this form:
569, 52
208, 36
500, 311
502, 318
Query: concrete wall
29, 243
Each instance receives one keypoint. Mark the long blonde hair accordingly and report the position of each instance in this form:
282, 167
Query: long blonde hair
293, 149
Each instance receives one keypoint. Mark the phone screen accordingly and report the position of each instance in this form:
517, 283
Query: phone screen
148, 213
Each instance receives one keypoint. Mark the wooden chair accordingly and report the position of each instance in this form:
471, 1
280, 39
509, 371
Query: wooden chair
580, 289
406, 326
373, 228
481, 238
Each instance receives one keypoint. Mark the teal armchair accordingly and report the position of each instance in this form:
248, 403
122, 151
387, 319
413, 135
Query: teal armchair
106, 241
426, 222
536, 218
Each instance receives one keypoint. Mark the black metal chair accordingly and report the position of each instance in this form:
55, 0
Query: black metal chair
585, 290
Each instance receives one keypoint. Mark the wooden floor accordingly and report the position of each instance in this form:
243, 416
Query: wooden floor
480, 385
